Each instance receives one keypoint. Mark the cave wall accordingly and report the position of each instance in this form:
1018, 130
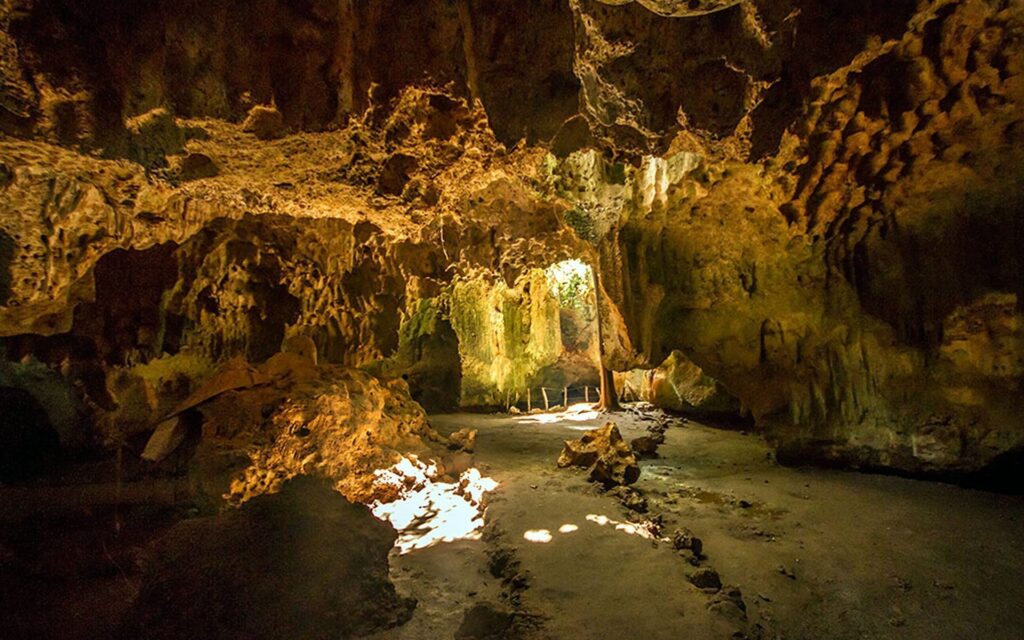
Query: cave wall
678, 385
857, 291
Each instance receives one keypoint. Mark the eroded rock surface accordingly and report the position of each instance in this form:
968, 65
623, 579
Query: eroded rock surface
608, 458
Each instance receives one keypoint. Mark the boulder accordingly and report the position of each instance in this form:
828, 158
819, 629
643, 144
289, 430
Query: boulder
302, 563
611, 461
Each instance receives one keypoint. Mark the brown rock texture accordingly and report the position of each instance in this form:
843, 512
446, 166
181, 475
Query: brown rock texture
608, 458
328, 422
225, 576
817, 203
679, 385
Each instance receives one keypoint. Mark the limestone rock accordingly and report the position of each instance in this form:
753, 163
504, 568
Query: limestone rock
326, 421
645, 446
608, 457
464, 439
630, 498
303, 346
167, 436
679, 385
685, 539
705, 578
395, 173
266, 123
196, 166
225, 576
153, 136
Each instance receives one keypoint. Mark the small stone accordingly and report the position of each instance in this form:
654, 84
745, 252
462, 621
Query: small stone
645, 446
685, 539
464, 439
689, 556
786, 572
264, 122
196, 166
631, 499
705, 578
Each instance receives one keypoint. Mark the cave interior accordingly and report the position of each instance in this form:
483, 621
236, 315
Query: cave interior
512, 320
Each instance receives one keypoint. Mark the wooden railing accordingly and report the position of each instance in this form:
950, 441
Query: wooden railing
565, 392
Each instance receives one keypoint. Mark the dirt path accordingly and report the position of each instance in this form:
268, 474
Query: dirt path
815, 554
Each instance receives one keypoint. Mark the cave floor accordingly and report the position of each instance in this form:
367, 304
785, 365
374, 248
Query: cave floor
816, 553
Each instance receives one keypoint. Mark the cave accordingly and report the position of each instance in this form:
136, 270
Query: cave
511, 320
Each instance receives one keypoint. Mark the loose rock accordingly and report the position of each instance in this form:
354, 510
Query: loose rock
705, 578
610, 459
685, 539
266, 123
645, 446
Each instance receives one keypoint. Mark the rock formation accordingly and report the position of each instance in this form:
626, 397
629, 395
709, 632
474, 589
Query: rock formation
681, 386
607, 457
829, 227
300, 563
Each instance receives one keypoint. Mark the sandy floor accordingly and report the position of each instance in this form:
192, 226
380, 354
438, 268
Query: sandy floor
815, 554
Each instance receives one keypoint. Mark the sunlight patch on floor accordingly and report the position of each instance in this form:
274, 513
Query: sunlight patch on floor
543, 536
630, 528
426, 512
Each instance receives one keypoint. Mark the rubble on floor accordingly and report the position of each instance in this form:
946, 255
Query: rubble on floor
610, 460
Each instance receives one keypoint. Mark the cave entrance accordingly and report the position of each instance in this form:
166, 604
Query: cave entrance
575, 375
530, 344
